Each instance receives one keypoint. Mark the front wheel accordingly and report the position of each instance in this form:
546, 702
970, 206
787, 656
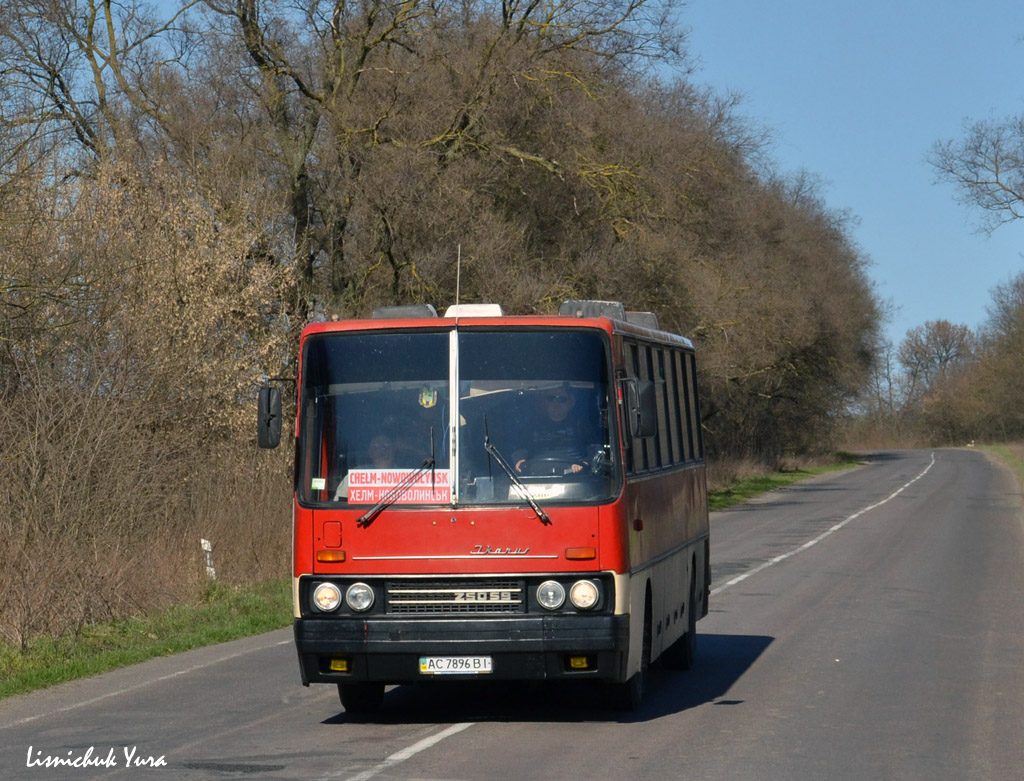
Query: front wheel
361, 697
628, 695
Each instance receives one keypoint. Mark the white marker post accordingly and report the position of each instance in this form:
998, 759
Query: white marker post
207, 547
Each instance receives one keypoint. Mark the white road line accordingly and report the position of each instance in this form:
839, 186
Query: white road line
141, 685
400, 756
823, 535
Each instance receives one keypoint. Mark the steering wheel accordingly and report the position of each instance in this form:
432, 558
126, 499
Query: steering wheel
543, 466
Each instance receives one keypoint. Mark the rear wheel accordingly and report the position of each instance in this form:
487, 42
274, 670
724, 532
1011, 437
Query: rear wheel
361, 697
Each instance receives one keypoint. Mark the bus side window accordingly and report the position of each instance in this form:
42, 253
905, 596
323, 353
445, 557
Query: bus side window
694, 408
635, 451
683, 386
672, 406
661, 391
652, 445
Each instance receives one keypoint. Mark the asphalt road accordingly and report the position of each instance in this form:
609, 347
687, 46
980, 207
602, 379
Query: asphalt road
864, 625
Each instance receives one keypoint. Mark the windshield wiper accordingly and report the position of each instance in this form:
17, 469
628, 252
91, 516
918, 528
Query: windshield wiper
523, 491
396, 493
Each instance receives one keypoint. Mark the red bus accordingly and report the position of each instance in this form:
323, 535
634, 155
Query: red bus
487, 495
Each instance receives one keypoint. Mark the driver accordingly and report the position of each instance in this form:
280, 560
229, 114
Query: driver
555, 437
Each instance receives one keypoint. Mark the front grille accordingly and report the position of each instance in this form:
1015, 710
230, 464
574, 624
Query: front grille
444, 597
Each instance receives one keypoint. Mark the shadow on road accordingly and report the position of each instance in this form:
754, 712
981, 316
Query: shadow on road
721, 661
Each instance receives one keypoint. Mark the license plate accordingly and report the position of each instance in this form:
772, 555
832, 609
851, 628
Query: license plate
455, 665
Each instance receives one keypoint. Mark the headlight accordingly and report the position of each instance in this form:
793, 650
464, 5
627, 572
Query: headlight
584, 594
359, 597
326, 597
550, 594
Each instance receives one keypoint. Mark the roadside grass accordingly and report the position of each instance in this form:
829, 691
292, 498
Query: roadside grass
227, 613
745, 488
1012, 455
224, 614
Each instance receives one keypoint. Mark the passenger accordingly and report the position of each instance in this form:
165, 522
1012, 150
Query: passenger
382, 452
382, 456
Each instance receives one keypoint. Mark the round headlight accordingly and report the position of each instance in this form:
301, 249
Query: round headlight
551, 594
359, 597
326, 597
584, 594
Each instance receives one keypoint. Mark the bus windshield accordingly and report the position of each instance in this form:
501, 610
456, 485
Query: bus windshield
540, 398
531, 418
374, 407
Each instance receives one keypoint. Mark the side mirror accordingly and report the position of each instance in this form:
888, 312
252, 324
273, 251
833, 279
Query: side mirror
642, 405
269, 433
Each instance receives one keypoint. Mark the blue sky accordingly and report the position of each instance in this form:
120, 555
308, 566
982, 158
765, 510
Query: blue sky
857, 93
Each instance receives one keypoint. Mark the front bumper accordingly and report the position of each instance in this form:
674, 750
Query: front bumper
388, 650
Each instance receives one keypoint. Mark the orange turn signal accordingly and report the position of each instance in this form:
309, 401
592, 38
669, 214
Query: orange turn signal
580, 554
330, 556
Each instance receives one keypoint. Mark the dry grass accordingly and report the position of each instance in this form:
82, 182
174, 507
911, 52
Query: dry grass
723, 473
731, 482
105, 510
867, 438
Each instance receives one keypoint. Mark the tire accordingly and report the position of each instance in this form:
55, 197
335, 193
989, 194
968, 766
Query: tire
682, 654
357, 698
628, 696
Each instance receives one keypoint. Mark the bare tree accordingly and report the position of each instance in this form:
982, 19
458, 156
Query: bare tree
1006, 314
987, 168
80, 69
930, 352
251, 165
346, 84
